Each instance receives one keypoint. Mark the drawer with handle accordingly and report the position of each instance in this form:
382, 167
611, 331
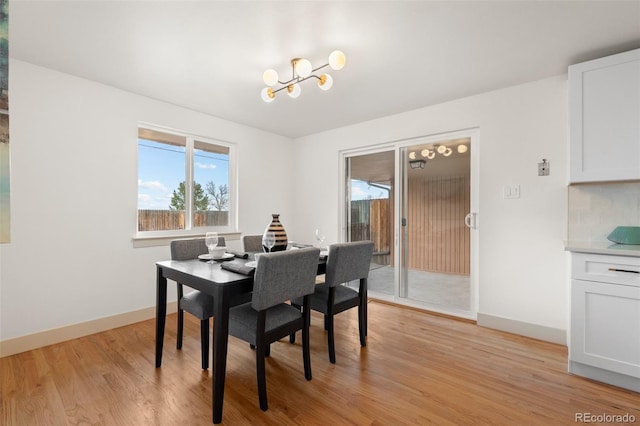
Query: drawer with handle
608, 269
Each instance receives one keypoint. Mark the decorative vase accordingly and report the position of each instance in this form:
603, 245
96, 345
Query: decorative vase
281, 236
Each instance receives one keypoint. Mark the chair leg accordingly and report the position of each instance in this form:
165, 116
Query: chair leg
306, 357
326, 322
267, 351
331, 339
292, 336
366, 320
362, 311
262, 380
204, 343
362, 324
180, 329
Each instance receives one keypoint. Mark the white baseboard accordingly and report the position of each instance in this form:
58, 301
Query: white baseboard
49, 337
547, 334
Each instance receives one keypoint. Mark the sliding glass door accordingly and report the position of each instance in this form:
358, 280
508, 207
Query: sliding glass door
415, 200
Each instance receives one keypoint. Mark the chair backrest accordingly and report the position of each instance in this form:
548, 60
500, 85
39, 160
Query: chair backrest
348, 262
252, 242
191, 249
284, 275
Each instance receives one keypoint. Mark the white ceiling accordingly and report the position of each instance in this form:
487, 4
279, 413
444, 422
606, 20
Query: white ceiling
209, 56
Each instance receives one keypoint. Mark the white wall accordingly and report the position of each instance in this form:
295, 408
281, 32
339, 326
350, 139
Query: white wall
522, 265
74, 198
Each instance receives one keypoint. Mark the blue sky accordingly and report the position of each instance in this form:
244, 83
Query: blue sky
362, 191
161, 168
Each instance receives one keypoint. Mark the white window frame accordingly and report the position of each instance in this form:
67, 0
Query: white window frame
164, 236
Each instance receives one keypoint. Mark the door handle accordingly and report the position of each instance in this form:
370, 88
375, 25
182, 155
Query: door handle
470, 220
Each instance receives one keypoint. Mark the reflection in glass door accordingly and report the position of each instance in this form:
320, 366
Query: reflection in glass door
435, 240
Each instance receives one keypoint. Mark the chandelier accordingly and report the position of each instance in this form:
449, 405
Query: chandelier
301, 70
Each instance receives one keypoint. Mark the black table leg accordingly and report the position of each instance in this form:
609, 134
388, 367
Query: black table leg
219, 348
161, 313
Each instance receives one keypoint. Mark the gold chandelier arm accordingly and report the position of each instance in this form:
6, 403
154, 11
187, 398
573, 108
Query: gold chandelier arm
295, 81
282, 88
319, 68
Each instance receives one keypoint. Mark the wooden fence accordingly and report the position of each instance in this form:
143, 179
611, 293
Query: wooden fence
438, 240
166, 220
371, 220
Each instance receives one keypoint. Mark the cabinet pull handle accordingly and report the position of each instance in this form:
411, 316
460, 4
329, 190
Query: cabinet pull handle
624, 270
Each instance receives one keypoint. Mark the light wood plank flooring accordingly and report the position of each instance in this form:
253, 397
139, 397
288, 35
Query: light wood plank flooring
416, 369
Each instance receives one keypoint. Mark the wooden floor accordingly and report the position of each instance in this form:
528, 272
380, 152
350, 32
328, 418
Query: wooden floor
416, 369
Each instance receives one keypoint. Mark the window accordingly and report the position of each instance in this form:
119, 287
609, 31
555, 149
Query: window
185, 183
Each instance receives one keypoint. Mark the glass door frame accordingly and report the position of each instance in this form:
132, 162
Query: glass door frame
399, 239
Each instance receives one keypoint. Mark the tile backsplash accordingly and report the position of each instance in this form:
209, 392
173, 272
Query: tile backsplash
596, 209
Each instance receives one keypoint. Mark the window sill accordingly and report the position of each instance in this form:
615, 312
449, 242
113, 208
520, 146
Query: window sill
140, 241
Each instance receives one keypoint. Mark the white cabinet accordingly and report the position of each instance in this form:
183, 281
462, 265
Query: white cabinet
605, 319
604, 119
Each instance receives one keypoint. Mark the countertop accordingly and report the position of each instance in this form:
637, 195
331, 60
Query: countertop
607, 247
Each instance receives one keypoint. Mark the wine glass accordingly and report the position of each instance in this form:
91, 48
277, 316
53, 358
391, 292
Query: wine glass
269, 240
319, 237
211, 240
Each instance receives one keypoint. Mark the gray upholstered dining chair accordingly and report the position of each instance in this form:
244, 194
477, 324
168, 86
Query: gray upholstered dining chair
252, 243
346, 262
196, 303
278, 277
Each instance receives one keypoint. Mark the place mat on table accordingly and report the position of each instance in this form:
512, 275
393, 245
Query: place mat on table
238, 267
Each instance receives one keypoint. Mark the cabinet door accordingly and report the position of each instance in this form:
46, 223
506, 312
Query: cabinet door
604, 118
605, 326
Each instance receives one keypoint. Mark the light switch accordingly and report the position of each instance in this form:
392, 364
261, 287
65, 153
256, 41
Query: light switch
511, 191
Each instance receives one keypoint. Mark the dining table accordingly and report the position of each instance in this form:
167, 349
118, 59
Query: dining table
228, 289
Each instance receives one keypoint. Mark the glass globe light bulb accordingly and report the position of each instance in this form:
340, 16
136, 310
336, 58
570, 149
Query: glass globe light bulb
337, 60
267, 94
294, 90
303, 68
462, 149
441, 149
412, 155
325, 82
447, 152
270, 77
